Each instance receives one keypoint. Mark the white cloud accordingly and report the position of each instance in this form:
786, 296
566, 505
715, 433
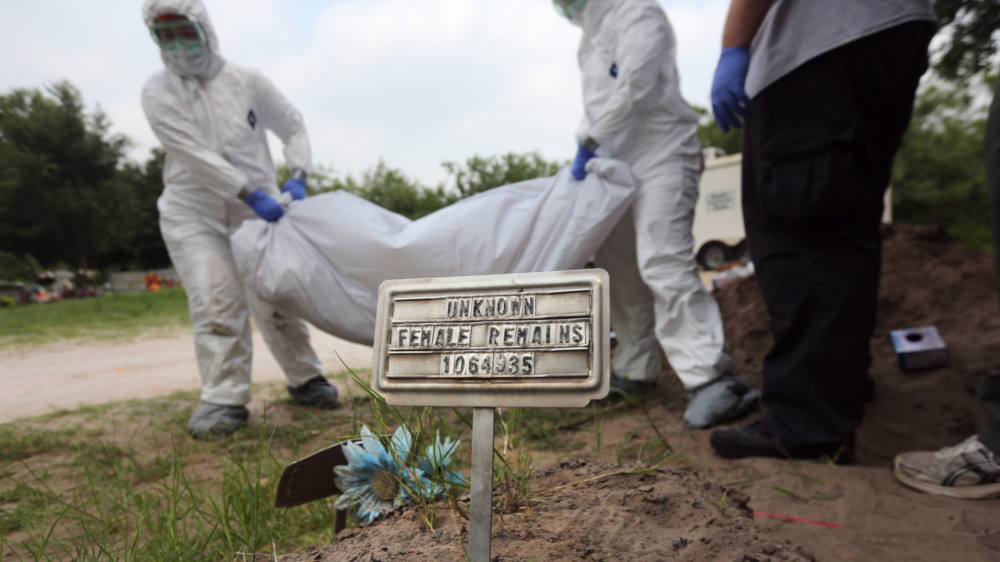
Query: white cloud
698, 28
439, 79
245, 25
101, 49
128, 118
413, 82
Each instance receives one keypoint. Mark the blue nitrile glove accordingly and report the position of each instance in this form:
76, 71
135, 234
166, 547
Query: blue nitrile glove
583, 156
729, 99
265, 206
296, 187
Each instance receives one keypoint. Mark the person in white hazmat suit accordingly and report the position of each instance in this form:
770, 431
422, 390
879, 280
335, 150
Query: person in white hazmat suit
211, 116
634, 112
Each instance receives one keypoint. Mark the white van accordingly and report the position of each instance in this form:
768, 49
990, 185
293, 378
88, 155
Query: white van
719, 236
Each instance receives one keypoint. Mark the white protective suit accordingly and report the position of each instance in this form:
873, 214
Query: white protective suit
212, 126
634, 110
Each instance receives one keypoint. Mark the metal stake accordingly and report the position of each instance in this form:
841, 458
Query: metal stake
481, 487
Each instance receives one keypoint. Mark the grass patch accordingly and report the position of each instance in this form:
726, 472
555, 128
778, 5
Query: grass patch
16, 444
123, 481
26, 507
129, 484
111, 317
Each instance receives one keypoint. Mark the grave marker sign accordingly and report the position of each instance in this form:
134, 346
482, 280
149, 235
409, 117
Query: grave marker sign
517, 340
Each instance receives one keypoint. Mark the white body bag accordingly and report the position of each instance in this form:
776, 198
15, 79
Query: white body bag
324, 260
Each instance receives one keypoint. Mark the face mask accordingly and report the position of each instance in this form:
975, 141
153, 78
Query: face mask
570, 9
192, 63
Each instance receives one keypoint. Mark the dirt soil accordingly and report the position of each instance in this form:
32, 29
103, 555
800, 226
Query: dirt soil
774, 509
593, 512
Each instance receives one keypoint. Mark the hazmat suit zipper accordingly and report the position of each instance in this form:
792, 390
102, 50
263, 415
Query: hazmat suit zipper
210, 113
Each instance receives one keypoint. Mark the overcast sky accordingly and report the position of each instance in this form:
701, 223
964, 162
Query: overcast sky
411, 82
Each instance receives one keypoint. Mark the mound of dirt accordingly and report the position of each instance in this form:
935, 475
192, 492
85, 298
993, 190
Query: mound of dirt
927, 279
590, 511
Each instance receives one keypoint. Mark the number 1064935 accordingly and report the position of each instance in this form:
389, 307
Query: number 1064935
487, 364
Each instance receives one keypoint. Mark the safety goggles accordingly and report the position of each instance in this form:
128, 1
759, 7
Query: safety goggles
174, 33
569, 8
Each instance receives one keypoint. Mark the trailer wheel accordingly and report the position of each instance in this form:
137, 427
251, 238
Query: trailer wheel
742, 251
713, 254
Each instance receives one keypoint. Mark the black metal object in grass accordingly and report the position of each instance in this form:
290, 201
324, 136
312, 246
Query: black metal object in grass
310, 479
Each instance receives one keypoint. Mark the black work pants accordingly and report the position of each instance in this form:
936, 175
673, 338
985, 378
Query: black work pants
818, 150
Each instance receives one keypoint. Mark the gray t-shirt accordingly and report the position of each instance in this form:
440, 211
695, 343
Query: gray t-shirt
796, 31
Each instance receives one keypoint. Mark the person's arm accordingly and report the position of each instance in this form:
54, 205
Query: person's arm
280, 116
184, 142
743, 21
730, 101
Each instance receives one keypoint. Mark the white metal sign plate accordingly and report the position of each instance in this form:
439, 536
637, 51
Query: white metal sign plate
518, 340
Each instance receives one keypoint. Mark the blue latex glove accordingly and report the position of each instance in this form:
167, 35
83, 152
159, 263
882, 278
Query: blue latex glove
580, 162
729, 99
265, 206
296, 187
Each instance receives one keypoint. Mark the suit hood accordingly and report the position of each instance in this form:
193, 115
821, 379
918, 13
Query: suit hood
195, 11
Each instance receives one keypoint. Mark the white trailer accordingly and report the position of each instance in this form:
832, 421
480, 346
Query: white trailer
719, 236
718, 217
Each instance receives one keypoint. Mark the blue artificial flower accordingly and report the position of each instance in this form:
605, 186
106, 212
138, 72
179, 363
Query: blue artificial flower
436, 461
375, 479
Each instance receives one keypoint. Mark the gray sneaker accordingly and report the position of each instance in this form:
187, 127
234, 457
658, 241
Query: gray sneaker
967, 470
211, 422
318, 393
722, 400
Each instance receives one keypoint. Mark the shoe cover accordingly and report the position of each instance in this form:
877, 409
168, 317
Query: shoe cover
318, 393
215, 421
720, 401
628, 386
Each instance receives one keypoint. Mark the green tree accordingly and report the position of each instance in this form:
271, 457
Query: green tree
390, 188
479, 174
321, 179
968, 28
938, 174
17, 268
144, 247
711, 135
382, 185
61, 197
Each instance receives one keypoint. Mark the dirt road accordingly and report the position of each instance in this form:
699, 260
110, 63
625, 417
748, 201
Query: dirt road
36, 380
